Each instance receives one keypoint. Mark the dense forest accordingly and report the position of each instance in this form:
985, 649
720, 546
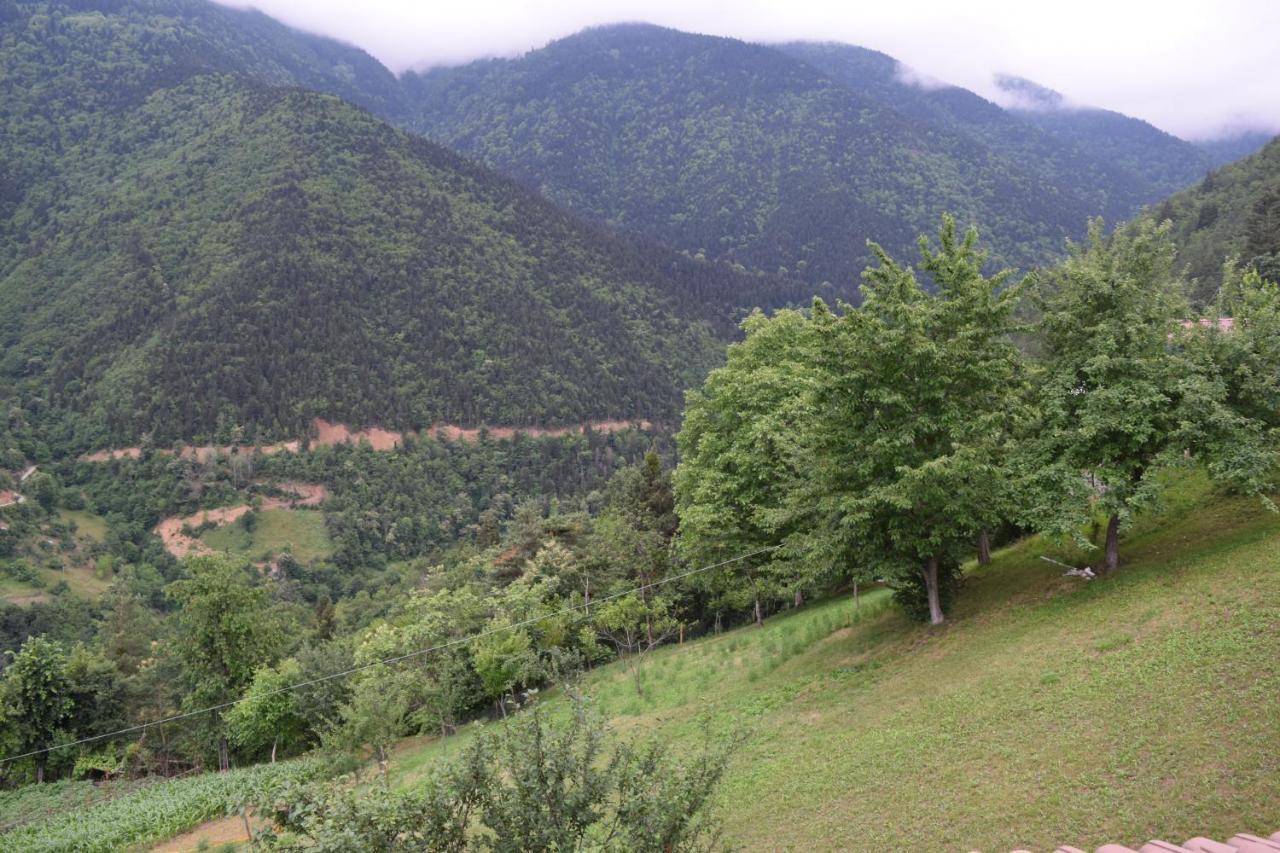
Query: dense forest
218, 253
790, 156
1119, 159
1231, 215
188, 251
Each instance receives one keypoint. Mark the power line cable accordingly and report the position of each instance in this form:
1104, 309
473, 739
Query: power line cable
387, 661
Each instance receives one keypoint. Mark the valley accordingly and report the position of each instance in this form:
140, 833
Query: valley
641, 438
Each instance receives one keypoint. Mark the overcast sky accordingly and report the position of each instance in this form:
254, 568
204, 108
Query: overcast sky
1196, 69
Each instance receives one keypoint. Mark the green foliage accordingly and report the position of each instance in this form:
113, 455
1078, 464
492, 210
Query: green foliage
914, 399
1247, 357
226, 632
869, 443
156, 812
266, 715
274, 255
849, 708
1232, 214
37, 695
529, 785
739, 460
1126, 391
1118, 162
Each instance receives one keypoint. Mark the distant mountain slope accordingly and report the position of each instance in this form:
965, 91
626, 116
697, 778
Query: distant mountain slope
1233, 213
1231, 148
1162, 161
737, 150
69, 65
1106, 187
790, 155
215, 254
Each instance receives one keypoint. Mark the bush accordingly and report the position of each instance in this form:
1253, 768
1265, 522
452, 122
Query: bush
527, 785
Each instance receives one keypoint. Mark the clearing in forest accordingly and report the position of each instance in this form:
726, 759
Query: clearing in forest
173, 530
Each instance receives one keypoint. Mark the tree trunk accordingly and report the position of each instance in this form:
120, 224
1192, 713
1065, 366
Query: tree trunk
274, 743
717, 623
224, 754
758, 614
40, 773
984, 547
682, 633
1113, 543
857, 604
931, 587
799, 600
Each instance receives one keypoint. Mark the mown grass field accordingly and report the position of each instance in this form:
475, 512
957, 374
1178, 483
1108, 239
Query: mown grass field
1050, 710
300, 532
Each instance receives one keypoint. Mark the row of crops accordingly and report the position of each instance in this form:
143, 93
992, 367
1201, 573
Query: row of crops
155, 812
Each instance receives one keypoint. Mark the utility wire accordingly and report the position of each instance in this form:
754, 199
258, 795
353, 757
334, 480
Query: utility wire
398, 658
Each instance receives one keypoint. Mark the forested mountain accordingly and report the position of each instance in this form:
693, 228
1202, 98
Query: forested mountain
1118, 162
1231, 148
184, 251
1234, 213
1160, 160
735, 150
786, 156
185, 248
70, 65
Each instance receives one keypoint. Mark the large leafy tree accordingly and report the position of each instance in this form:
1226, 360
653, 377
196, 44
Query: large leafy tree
226, 632
739, 460
1131, 387
38, 701
268, 714
916, 394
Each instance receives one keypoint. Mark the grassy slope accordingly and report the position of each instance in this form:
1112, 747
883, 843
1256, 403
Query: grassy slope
87, 524
300, 532
1051, 710
77, 570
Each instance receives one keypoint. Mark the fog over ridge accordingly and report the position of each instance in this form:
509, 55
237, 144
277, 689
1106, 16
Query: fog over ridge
1195, 69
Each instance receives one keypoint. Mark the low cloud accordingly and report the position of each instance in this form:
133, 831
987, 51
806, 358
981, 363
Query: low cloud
1193, 68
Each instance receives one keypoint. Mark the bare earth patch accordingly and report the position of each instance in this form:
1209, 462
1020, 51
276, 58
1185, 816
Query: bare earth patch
328, 435
331, 434
225, 830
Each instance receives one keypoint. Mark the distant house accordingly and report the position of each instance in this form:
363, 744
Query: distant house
26, 473
8, 498
1225, 324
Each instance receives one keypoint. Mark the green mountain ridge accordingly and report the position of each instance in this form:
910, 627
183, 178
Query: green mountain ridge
789, 155
188, 250
1233, 214
213, 253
